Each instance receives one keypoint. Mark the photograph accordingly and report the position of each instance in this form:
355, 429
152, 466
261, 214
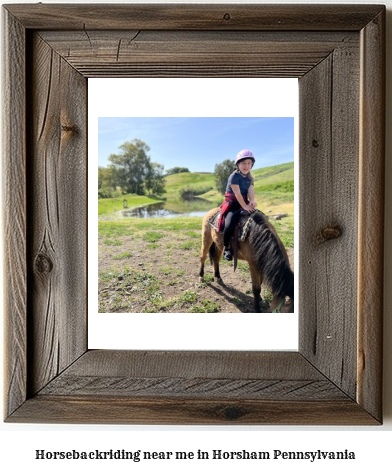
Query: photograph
196, 214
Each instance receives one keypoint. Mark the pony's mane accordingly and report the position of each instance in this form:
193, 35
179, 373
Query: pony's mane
270, 258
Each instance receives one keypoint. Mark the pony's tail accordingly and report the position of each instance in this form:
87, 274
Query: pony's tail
212, 252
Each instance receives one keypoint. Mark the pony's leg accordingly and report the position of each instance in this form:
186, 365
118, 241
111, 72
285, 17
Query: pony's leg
216, 253
203, 258
256, 287
205, 247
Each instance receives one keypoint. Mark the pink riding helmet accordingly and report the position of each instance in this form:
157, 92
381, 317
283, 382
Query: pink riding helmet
244, 155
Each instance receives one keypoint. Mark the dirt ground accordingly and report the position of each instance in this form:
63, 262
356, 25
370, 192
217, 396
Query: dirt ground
162, 277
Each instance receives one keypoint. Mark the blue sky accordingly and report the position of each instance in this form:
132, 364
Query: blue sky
199, 143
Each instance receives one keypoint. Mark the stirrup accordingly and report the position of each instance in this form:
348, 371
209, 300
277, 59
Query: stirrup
227, 255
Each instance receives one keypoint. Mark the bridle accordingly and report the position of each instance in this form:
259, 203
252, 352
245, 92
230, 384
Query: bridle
279, 307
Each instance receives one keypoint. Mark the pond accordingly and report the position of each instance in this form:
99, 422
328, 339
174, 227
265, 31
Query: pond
195, 208
160, 210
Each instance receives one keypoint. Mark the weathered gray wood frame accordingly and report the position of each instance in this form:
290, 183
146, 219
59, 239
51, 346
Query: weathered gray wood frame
337, 52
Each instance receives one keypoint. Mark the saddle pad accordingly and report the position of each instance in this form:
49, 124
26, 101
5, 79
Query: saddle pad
245, 224
213, 221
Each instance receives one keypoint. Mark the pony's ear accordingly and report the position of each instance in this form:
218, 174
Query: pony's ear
290, 304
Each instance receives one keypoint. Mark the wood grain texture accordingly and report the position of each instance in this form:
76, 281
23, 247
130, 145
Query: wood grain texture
57, 215
208, 364
196, 53
103, 409
193, 387
195, 17
14, 212
188, 387
329, 137
371, 216
206, 374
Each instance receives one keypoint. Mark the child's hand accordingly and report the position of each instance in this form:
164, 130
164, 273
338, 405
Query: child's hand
253, 204
249, 208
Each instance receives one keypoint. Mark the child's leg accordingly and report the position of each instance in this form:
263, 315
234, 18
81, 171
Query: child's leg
231, 220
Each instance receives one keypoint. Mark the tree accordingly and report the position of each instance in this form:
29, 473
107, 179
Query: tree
106, 177
222, 172
155, 181
176, 170
132, 166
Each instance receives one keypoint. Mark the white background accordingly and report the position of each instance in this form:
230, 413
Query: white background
248, 98
371, 444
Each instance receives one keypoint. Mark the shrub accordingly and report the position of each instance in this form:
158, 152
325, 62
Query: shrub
104, 193
190, 192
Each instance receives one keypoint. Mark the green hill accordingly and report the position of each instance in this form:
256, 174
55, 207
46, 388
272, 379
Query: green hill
175, 182
276, 173
263, 177
274, 187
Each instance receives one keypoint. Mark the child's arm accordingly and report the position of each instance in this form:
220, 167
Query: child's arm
251, 196
240, 199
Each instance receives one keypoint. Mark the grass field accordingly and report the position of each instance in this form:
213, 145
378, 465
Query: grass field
152, 265
111, 205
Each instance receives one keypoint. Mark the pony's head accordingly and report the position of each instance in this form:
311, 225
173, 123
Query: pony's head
272, 261
282, 305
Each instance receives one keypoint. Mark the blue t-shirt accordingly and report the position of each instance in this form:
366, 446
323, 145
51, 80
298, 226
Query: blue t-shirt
241, 181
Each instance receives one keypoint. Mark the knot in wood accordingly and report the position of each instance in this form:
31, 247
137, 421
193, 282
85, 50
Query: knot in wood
227, 16
232, 413
328, 233
69, 128
43, 264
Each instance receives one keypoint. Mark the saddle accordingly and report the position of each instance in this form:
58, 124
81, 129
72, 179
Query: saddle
241, 230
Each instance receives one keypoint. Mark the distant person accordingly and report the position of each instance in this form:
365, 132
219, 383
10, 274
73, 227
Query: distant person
240, 195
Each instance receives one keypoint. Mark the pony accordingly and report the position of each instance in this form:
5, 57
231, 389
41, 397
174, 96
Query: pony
265, 253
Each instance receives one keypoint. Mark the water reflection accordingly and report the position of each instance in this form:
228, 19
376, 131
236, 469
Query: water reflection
197, 208
160, 210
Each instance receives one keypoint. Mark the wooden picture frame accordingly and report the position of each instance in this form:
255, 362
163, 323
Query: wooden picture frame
338, 54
